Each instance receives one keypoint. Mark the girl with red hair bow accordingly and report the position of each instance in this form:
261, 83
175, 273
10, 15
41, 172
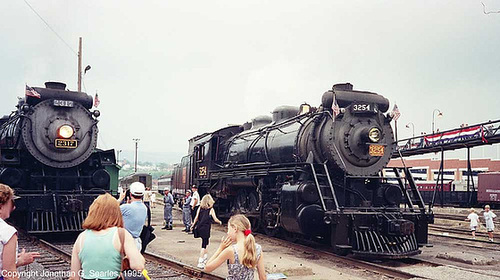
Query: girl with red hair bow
243, 257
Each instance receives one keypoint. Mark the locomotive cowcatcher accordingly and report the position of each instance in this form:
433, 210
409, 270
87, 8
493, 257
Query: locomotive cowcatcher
48, 155
314, 173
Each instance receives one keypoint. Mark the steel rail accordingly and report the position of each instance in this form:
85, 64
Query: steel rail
369, 266
181, 267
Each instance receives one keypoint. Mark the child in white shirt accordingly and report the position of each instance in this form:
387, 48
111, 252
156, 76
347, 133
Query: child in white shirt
488, 217
474, 222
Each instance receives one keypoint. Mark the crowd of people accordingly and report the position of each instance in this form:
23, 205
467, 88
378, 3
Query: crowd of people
111, 241
242, 258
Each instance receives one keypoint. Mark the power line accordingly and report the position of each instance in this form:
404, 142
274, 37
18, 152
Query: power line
46, 23
489, 12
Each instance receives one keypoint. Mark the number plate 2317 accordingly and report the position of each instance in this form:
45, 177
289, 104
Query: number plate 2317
66, 144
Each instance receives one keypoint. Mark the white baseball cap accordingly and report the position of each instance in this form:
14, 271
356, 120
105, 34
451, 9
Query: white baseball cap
137, 189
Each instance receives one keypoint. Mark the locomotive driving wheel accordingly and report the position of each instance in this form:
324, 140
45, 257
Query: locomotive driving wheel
269, 219
246, 202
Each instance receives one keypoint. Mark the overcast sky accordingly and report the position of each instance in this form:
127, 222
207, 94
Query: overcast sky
166, 71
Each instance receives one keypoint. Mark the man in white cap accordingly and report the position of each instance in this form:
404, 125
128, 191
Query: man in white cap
134, 213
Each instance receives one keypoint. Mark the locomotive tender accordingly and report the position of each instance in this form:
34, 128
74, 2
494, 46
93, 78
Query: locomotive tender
313, 173
48, 155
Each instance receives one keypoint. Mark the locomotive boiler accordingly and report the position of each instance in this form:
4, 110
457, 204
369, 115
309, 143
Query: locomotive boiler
315, 173
48, 155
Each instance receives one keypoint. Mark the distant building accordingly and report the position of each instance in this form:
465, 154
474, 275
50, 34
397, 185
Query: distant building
453, 169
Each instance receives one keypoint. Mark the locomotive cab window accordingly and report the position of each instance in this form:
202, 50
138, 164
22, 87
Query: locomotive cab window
215, 148
200, 153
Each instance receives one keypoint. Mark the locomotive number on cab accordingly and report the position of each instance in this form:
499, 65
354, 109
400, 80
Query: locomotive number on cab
202, 171
66, 143
376, 150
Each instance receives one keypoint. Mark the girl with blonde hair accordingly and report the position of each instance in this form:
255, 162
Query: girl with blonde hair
243, 257
97, 250
202, 225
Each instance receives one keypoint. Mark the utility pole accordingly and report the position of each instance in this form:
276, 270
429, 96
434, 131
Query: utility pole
80, 65
118, 156
136, 140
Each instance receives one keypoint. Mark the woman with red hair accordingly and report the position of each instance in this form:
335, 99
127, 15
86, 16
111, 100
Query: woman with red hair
97, 251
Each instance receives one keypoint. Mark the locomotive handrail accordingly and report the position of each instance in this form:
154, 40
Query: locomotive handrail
315, 176
331, 187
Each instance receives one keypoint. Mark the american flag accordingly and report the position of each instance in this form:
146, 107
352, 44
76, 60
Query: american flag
395, 113
96, 100
32, 92
335, 107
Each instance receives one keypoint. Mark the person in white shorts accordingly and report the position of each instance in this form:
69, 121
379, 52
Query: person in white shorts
474, 222
488, 217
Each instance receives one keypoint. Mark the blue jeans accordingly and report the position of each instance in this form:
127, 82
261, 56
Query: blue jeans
186, 217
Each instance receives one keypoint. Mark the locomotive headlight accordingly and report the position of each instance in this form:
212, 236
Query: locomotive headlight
65, 131
374, 135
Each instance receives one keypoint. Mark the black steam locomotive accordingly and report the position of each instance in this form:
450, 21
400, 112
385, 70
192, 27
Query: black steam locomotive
48, 155
313, 173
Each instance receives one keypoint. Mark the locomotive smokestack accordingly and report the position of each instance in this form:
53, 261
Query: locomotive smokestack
344, 87
55, 85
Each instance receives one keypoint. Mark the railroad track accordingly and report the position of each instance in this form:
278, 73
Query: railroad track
379, 268
455, 217
464, 232
480, 242
57, 258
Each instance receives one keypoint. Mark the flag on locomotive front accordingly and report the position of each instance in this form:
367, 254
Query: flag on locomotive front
32, 92
395, 113
96, 100
335, 107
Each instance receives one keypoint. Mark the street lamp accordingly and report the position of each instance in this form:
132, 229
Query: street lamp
136, 140
440, 114
412, 127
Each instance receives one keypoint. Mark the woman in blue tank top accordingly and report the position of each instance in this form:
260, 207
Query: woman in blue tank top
96, 253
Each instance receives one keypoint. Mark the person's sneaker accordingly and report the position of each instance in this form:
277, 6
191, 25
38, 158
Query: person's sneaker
170, 228
201, 263
165, 227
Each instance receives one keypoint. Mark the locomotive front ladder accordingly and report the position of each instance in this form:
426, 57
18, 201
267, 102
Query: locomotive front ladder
326, 192
415, 197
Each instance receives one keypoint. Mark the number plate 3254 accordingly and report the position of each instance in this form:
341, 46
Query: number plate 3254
376, 150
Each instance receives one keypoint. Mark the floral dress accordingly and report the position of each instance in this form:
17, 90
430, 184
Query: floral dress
238, 271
